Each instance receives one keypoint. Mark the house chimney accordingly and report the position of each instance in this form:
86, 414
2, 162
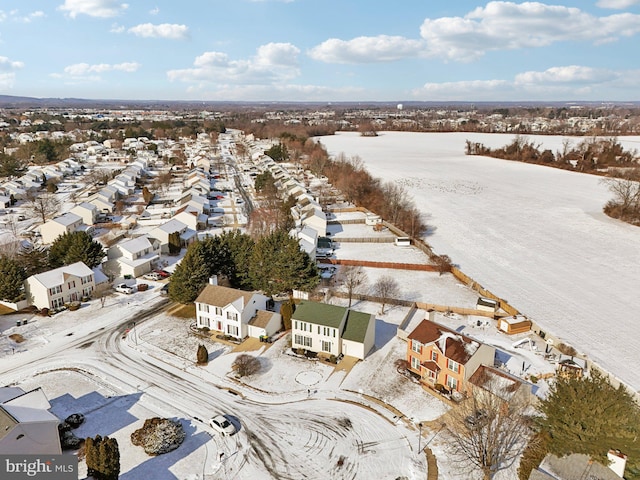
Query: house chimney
213, 280
618, 462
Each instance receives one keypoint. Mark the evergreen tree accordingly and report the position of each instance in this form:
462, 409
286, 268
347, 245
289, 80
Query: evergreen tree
175, 244
279, 265
75, 247
12, 276
202, 355
34, 259
286, 311
102, 457
591, 416
191, 274
236, 249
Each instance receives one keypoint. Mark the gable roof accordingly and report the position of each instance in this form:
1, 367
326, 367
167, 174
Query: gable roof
58, 276
220, 296
262, 318
320, 314
452, 344
356, 326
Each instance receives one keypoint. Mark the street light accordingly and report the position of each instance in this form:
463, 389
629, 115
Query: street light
419, 436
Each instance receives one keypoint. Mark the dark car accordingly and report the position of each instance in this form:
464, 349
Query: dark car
165, 289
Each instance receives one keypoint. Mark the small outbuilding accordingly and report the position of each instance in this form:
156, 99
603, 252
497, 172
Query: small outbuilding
515, 324
487, 305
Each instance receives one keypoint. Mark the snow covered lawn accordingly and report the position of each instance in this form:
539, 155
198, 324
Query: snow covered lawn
533, 235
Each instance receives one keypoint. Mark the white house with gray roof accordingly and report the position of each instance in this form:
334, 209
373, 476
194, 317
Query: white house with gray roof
57, 287
26, 425
134, 257
66, 223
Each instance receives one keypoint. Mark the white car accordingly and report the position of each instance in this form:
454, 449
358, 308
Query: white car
221, 425
152, 276
124, 288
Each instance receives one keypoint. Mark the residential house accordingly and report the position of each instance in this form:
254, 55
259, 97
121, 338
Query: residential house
26, 425
66, 223
576, 466
162, 232
102, 203
133, 257
87, 211
191, 218
14, 189
506, 387
332, 330
229, 310
5, 201
264, 324
57, 287
441, 356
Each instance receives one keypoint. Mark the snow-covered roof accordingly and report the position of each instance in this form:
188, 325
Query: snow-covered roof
67, 219
58, 276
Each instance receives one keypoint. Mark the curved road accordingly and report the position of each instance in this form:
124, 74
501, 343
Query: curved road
288, 438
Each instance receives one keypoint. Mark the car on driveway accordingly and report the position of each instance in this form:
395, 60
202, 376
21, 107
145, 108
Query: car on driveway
162, 273
221, 425
124, 288
152, 276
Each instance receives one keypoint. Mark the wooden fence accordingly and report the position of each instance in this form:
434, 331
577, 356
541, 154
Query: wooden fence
393, 265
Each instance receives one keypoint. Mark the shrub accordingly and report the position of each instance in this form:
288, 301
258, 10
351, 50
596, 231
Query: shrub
245, 365
567, 349
202, 355
44, 312
333, 359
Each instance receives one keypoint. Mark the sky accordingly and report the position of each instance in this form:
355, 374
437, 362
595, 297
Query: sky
326, 51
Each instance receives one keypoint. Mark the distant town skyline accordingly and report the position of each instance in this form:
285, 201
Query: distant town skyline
311, 51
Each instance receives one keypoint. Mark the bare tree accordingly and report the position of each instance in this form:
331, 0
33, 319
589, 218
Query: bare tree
386, 288
354, 278
443, 263
491, 428
42, 206
245, 365
626, 193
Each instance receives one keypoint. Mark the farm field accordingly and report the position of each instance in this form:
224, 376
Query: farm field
536, 236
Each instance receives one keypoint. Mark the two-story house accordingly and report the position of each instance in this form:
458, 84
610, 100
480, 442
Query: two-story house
87, 211
442, 356
62, 285
67, 223
173, 226
134, 257
229, 310
332, 330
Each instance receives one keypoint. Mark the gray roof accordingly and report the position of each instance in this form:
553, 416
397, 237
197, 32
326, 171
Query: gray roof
320, 314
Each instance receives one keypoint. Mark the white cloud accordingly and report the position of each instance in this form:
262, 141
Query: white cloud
507, 25
7, 80
93, 8
115, 28
7, 65
273, 63
382, 48
164, 30
85, 68
499, 25
560, 83
617, 4
16, 17
154, 11
571, 74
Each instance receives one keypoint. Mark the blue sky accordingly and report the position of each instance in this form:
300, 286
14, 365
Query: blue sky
321, 50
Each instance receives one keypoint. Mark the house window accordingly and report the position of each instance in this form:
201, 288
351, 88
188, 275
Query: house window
415, 363
57, 302
453, 366
302, 340
218, 311
327, 331
87, 292
203, 307
431, 376
204, 322
55, 290
232, 316
416, 346
232, 330
326, 346
434, 356
452, 383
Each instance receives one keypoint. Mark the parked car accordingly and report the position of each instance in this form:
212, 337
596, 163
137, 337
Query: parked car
221, 425
162, 273
124, 288
165, 289
152, 276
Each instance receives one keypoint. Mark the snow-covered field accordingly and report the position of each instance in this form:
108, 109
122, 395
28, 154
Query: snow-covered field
533, 235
